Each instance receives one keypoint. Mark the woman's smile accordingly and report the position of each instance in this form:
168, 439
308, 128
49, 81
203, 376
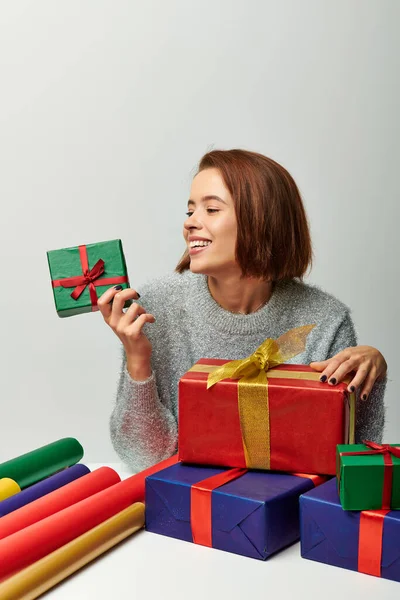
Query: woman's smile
197, 244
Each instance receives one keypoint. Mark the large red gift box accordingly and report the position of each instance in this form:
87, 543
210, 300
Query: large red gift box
287, 420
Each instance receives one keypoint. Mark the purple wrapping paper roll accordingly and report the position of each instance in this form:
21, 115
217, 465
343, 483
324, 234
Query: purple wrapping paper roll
42, 488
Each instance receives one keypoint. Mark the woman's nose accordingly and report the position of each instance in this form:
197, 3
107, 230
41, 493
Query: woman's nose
191, 223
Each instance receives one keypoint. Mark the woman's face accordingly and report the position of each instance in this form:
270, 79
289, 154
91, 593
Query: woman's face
210, 230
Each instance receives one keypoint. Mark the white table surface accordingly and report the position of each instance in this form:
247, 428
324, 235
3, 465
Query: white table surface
150, 566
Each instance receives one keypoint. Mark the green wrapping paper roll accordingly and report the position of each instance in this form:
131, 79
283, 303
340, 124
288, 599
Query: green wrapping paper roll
33, 466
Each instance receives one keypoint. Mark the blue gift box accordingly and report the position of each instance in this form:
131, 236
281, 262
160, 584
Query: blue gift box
254, 515
330, 534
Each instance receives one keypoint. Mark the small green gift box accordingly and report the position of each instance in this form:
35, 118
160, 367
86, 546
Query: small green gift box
368, 476
80, 275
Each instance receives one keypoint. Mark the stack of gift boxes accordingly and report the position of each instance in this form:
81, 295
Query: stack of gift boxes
260, 443
258, 450
352, 521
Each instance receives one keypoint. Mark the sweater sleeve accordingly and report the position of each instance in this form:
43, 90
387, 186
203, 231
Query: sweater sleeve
370, 413
143, 430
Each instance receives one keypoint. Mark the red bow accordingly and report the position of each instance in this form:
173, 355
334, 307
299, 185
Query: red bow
381, 449
81, 281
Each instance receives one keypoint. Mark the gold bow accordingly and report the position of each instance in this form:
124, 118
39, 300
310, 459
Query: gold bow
252, 373
270, 354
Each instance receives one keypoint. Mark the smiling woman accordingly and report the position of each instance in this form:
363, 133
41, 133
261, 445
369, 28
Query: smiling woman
255, 213
238, 282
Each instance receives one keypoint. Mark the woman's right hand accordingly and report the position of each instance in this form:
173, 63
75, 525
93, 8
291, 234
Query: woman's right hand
128, 327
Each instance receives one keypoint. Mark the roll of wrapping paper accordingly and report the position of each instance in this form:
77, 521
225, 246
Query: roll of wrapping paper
36, 541
8, 488
40, 489
53, 568
48, 505
42, 462
140, 478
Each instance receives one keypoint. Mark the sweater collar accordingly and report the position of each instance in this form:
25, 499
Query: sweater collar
210, 312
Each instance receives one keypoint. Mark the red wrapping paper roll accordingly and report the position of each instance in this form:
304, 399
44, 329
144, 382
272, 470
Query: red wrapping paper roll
70, 494
140, 478
36, 541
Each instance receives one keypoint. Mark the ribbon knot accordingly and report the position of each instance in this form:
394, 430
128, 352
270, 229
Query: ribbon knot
80, 282
266, 356
89, 277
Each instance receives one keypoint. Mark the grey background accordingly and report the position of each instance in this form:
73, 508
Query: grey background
105, 109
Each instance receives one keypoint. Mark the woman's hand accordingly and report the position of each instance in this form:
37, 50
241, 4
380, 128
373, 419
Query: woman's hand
128, 327
366, 364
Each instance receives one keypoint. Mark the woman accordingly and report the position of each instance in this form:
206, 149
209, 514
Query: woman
239, 282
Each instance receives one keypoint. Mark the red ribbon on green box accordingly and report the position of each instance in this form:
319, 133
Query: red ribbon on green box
387, 451
88, 278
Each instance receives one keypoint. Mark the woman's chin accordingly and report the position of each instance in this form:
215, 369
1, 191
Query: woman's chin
212, 270
199, 268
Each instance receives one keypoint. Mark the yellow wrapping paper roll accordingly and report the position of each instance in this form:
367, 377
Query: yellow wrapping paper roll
8, 487
39, 577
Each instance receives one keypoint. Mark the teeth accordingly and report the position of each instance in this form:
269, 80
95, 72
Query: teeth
198, 243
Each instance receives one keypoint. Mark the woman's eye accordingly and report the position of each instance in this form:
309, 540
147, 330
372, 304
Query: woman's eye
209, 210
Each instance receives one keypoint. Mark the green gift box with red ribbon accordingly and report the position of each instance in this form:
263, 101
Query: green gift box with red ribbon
368, 476
81, 274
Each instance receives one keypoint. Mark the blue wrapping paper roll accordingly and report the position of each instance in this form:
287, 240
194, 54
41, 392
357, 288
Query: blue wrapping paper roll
42, 488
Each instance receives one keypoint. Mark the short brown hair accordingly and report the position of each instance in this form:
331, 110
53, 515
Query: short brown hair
273, 237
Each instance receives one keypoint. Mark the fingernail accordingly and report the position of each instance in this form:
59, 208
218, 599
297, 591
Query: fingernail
332, 380
323, 378
352, 388
117, 287
364, 396
138, 295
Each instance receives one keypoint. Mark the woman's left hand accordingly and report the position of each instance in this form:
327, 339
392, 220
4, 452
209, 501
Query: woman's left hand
364, 362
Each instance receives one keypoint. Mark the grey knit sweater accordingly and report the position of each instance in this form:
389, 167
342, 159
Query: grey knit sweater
191, 325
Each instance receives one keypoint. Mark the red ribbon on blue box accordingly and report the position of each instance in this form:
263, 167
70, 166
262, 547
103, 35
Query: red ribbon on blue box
200, 501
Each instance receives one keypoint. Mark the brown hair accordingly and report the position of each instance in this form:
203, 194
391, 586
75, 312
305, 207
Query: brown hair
273, 237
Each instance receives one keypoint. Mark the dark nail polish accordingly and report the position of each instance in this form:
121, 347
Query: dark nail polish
138, 295
332, 380
352, 388
323, 378
117, 287
364, 396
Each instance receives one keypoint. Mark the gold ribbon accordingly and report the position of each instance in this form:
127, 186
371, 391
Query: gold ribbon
253, 373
